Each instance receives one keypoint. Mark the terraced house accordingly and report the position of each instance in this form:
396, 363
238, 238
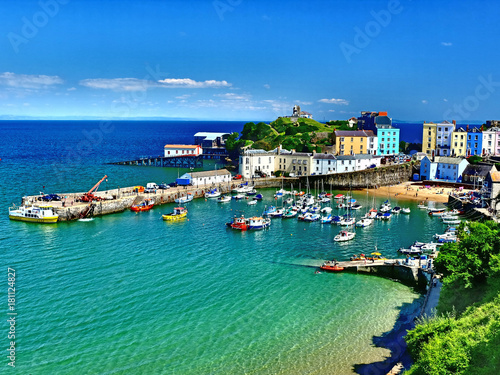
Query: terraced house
437, 138
459, 142
381, 124
474, 142
352, 142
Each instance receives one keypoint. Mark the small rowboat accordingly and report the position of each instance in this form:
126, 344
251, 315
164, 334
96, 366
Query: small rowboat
178, 214
143, 206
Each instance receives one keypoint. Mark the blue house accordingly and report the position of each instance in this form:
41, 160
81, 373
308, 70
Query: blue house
381, 125
443, 168
474, 142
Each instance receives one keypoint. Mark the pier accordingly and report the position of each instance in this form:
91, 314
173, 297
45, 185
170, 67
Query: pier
183, 161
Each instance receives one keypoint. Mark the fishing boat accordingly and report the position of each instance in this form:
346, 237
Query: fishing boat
289, 213
405, 210
326, 219
277, 213
224, 199
258, 222
326, 210
145, 205
410, 251
312, 217
243, 189
436, 213
184, 199
331, 267
269, 210
364, 222
344, 236
179, 213
239, 223
396, 210
212, 194
33, 214
445, 235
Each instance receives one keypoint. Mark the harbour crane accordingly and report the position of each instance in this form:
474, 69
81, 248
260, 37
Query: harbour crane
89, 196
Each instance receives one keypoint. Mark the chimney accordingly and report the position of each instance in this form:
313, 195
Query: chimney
454, 122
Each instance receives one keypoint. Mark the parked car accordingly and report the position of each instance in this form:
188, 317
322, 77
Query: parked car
163, 186
237, 177
149, 190
173, 184
51, 197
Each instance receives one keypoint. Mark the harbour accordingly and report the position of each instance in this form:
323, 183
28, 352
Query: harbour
279, 315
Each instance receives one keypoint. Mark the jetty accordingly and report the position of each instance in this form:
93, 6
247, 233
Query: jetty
181, 161
411, 272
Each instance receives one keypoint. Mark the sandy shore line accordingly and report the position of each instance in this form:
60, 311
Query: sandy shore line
414, 191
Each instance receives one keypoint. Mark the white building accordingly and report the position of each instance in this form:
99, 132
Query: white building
371, 143
210, 177
294, 163
443, 138
182, 150
346, 163
367, 161
255, 162
490, 141
324, 164
352, 121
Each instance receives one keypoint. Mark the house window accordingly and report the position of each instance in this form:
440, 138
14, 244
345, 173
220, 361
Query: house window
341, 139
248, 160
439, 129
352, 139
169, 152
259, 160
329, 162
383, 133
317, 161
428, 145
317, 169
294, 167
305, 169
269, 159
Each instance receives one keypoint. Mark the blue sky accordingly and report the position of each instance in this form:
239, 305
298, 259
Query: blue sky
250, 60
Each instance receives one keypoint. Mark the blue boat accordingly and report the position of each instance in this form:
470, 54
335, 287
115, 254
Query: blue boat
258, 197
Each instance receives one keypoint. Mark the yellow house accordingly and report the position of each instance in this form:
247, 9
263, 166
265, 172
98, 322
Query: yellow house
429, 137
351, 142
459, 142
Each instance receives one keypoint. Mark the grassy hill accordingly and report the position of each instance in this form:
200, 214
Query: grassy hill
304, 135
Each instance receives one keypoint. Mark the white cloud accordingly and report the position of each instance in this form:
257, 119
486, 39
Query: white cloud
233, 96
189, 83
446, 44
183, 97
72, 89
117, 84
331, 110
27, 81
445, 100
424, 101
134, 84
334, 101
267, 86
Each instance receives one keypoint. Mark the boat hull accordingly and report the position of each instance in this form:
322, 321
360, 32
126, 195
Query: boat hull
45, 220
170, 217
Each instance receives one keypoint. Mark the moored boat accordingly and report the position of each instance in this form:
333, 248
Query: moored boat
331, 267
212, 194
178, 214
405, 210
33, 214
184, 199
145, 205
224, 199
344, 236
364, 222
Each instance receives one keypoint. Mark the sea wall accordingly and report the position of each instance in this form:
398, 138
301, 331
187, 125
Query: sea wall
370, 178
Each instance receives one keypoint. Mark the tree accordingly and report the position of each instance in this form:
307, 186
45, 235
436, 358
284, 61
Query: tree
402, 146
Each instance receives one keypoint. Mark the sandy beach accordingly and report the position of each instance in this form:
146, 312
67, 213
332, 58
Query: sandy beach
414, 191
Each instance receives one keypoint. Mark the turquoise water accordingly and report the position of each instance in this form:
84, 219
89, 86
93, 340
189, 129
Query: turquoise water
131, 294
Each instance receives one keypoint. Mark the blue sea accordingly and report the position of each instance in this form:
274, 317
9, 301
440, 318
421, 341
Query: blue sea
131, 294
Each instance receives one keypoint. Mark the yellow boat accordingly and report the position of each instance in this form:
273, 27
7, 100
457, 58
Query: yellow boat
178, 214
33, 214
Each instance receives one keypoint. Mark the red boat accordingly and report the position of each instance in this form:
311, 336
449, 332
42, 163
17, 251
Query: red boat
239, 223
143, 206
330, 267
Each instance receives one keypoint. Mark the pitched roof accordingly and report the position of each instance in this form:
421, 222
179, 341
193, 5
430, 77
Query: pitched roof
480, 170
495, 176
354, 133
448, 160
324, 156
346, 157
218, 172
383, 120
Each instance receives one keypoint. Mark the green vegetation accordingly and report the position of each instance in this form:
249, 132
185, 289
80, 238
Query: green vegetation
465, 336
305, 135
342, 125
474, 159
406, 147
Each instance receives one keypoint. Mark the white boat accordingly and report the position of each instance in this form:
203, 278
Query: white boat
243, 189
396, 210
278, 213
239, 196
251, 203
356, 207
225, 198
86, 219
344, 236
212, 194
326, 219
33, 214
184, 199
347, 221
422, 206
405, 210
312, 217
364, 222
289, 200
385, 208
446, 235
452, 221
326, 210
